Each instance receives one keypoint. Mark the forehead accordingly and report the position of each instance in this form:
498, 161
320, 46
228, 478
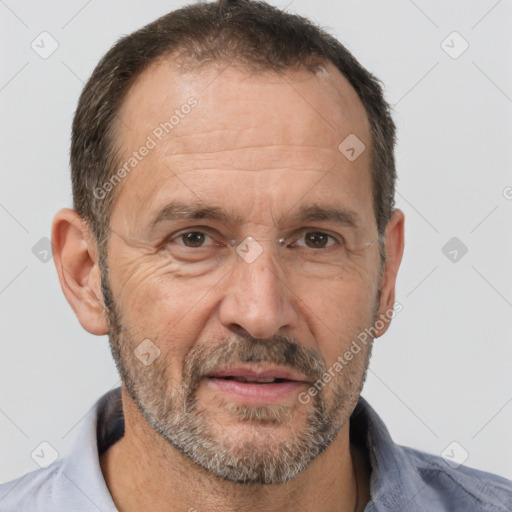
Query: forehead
220, 118
323, 102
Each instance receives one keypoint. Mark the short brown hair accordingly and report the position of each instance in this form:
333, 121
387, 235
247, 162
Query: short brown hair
253, 33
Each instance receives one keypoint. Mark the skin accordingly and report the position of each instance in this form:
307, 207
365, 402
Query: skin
260, 145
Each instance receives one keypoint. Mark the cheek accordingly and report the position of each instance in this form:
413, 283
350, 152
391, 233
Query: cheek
157, 304
337, 312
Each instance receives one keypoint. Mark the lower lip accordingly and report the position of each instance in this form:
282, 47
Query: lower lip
262, 392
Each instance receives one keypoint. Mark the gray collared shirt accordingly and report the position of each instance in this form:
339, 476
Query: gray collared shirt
402, 479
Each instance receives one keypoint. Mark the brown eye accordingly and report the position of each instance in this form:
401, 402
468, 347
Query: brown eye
193, 238
316, 239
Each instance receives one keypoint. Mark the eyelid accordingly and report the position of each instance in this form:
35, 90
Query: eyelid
208, 231
232, 240
300, 232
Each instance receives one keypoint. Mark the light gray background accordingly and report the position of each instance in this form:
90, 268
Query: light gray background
443, 371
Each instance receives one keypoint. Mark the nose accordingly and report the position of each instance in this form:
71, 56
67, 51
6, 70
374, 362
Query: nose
258, 298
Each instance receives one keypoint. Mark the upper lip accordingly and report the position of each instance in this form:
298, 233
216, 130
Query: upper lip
265, 372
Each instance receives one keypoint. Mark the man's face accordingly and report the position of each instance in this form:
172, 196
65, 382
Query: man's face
262, 149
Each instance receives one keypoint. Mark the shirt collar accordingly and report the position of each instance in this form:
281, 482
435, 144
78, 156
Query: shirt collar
394, 482
102, 426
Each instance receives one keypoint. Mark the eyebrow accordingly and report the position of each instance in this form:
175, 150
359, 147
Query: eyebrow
177, 210
316, 212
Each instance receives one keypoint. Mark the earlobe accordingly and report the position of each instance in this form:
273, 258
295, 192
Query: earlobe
394, 240
76, 260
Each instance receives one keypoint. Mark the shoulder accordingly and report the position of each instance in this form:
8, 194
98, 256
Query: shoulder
457, 487
404, 478
34, 491
74, 482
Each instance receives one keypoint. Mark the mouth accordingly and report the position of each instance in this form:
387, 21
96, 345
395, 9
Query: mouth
268, 380
264, 385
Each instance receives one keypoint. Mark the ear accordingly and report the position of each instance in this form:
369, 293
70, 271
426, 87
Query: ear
76, 258
394, 240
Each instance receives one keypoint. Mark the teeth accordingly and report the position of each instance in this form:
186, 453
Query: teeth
249, 379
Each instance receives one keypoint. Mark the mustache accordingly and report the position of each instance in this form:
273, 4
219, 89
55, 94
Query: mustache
204, 359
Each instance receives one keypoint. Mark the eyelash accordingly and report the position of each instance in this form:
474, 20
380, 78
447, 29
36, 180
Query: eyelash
176, 236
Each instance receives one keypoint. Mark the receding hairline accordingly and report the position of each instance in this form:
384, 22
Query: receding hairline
243, 31
183, 63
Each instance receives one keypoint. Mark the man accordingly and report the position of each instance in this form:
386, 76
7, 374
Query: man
234, 233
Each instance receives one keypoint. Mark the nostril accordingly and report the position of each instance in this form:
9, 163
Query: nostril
239, 330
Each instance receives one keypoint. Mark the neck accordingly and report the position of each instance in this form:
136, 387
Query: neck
144, 472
